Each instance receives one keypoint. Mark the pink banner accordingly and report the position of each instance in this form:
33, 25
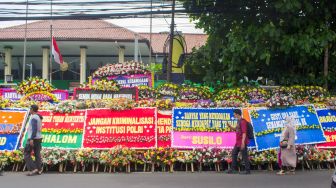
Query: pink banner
135, 80
11, 94
188, 140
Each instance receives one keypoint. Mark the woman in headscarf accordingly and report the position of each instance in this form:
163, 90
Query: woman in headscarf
287, 147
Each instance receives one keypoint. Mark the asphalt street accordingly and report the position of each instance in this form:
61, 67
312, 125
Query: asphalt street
306, 179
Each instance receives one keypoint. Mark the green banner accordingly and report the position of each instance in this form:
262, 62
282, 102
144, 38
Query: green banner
67, 141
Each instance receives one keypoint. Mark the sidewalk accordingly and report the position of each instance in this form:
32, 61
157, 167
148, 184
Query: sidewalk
306, 179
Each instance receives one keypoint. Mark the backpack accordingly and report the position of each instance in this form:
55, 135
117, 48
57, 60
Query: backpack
249, 133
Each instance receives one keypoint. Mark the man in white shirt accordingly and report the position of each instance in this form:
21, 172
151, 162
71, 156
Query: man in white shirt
34, 142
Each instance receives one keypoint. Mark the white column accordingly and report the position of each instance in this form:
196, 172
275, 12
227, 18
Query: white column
121, 54
136, 48
8, 61
83, 64
45, 62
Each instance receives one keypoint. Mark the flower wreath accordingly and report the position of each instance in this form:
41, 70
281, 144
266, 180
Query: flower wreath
117, 69
34, 84
46, 96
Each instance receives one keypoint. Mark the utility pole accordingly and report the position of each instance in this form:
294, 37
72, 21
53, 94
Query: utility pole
150, 33
51, 43
25, 45
171, 38
136, 47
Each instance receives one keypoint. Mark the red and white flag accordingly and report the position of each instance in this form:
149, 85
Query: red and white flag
56, 52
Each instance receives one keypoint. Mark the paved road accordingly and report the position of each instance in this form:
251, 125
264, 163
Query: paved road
313, 179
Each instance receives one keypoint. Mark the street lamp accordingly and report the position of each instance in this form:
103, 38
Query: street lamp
31, 69
8, 78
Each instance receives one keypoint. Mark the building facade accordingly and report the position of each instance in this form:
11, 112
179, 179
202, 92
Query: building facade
84, 44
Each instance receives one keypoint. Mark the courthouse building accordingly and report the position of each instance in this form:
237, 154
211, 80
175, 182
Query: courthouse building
84, 44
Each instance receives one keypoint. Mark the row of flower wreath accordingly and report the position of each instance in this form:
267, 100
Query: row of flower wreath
312, 93
284, 95
308, 156
69, 106
200, 95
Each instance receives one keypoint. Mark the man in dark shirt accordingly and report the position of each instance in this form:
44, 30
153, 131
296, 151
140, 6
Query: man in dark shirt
241, 143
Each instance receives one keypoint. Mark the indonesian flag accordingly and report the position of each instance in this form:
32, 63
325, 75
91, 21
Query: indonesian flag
56, 53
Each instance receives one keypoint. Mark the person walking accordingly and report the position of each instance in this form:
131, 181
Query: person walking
241, 143
287, 147
34, 143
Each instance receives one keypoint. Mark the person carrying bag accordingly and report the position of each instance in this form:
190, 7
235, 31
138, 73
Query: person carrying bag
34, 143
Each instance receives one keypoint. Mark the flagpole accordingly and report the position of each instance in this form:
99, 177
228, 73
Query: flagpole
51, 45
25, 45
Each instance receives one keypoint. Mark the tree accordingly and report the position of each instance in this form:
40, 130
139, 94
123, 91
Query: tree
288, 41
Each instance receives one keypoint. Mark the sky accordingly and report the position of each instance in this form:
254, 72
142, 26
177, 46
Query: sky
139, 24
135, 24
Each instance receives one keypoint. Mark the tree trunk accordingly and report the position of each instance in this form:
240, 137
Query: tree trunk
325, 69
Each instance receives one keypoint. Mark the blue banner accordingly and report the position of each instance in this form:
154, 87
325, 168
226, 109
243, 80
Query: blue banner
268, 125
8, 141
327, 118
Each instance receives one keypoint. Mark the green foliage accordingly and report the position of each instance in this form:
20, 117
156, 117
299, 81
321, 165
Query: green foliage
282, 40
157, 68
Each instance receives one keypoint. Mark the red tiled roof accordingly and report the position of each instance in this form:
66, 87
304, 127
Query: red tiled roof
92, 30
192, 40
68, 30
